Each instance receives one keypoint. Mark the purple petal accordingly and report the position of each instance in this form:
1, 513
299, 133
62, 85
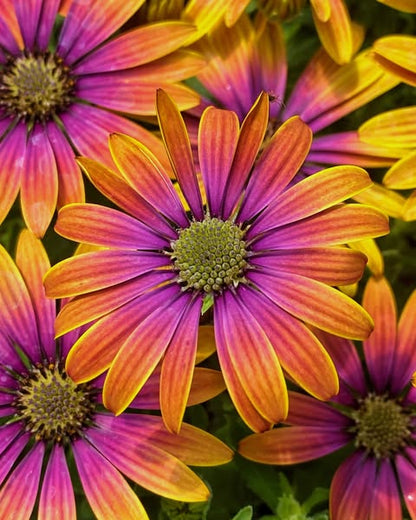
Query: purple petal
46, 22
8, 433
28, 14
386, 498
407, 477
8, 458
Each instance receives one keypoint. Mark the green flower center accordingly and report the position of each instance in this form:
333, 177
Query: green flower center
210, 255
52, 405
34, 87
382, 427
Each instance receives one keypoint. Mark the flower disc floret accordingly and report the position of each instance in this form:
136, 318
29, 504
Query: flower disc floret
52, 405
34, 87
210, 255
382, 427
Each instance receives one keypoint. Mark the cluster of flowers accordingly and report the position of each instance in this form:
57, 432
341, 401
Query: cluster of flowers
235, 207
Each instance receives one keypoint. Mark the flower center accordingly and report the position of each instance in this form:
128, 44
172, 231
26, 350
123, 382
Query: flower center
34, 87
382, 427
52, 405
210, 255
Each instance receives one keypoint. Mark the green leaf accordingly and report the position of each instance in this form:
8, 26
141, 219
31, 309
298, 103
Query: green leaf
244, 514
207, 303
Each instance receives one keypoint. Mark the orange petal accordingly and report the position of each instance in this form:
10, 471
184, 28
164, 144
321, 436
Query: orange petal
402, 175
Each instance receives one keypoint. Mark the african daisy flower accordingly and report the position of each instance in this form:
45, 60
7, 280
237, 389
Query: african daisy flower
263, 256
57, 97
377, 415
46, 418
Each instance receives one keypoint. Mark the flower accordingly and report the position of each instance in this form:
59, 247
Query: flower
262, 255
57, 97
46, 418
251, 57
377, 416
396, 54
408, 6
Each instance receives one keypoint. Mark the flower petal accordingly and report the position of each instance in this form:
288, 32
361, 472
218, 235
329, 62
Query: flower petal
286, 445
252, 356
337, 225
151, 467
141, 352
386, 496
251, 137
146, 175
316, 303
57, 496
396, 53
102, 226
108, 493
45, 23
298, 350
178, 367
132, 48
408, 6
402, 176
217, 142
391, 128
33, 262
277, 166
18, 495
409, 210
179, 150
312, 195
28, 14
306, 411
380, 197
379, 302
407, 478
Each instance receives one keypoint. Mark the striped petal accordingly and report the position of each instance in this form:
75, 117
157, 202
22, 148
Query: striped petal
407, 477
10, 33
108, 493
97, 270
386, 496
298, 350
57, 496
151, 467
12, 159
372, 252
89, 23
217, 143
252, 356
316, 303
45, 24
102, 226
124, 196
146, 175
18, 495
396, 53
306, 411
352, 488
391, 128
39, 187
402, 175
9, 456
380, 197
379, 348
276, 166
338, 225
140, 354
33, 262
251, 137
312, 195
335, 32
179, 151
287, 445
175, 384
28, 14
132, 48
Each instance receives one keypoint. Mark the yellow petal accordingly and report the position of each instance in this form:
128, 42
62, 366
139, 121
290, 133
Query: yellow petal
382, 198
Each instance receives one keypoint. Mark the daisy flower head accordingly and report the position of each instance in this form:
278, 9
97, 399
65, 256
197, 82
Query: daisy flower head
47, 420
374, 413
263, 256
57, 97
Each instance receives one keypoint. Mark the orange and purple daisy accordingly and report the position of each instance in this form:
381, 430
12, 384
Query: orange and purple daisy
375, 411
66, 95
264, 256
47, 419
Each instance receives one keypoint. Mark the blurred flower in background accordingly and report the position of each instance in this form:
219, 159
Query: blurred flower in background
378, 416
265, 257
58, 97
47, 418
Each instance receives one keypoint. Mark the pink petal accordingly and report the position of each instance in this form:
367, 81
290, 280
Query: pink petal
179, 150
10, 33
88, 23
252, 356
18, 495
28, 13
46, 22
57, 495
39, 187
8, 433
386, 498
217, 143
305, 411
178, 367
102, 226
108, 493
33, 262
379, 348
276, 166
407, 477
8, 457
